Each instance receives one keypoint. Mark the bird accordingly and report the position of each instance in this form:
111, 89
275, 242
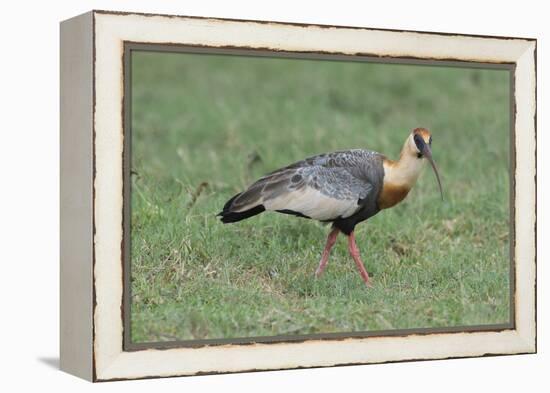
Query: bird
342, 188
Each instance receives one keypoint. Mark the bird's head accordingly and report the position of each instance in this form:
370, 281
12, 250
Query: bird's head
420, 144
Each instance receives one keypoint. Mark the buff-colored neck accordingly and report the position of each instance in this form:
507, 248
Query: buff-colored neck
405, 171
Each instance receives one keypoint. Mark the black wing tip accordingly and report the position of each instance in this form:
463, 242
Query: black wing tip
228, 217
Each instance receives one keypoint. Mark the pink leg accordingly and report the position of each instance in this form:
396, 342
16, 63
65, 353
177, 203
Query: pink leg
331, 240
354, 252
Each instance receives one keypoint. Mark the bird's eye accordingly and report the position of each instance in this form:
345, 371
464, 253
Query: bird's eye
418, 142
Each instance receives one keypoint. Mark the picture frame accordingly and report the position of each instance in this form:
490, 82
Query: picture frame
95, 47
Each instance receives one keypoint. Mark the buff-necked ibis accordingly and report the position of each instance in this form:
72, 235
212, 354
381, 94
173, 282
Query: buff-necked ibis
342, 188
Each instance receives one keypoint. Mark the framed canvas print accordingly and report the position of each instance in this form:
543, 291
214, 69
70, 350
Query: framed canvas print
246, 195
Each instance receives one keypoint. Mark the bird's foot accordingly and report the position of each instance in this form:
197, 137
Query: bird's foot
354, 252
322, 264
331, 240
369, 283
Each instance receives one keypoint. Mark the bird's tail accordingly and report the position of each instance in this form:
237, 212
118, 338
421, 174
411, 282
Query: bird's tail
228, 216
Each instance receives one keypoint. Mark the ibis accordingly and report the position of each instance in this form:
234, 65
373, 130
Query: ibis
343, 188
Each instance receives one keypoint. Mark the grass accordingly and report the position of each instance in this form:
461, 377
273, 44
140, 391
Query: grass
204, 127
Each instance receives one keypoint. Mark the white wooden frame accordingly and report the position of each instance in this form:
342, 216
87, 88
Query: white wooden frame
92, 88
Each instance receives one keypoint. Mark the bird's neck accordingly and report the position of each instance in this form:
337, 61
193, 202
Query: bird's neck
405, 171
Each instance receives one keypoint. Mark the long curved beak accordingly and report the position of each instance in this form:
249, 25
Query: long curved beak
427, 152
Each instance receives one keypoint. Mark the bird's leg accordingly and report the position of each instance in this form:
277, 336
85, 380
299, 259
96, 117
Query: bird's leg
354, 252
331, 240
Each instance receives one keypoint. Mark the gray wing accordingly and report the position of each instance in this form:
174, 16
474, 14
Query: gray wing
322, 187
349, 159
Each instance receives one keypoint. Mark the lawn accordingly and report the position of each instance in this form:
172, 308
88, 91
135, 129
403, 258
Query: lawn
204, 127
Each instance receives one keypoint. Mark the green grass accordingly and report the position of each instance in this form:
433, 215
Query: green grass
223, 121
